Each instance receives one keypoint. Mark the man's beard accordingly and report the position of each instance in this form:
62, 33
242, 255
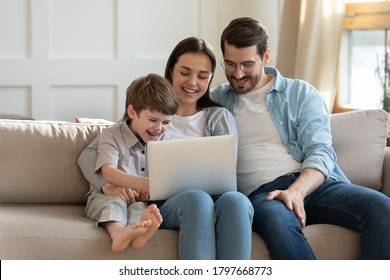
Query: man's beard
253, 80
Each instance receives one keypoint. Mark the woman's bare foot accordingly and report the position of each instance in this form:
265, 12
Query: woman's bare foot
150, 213
122, 236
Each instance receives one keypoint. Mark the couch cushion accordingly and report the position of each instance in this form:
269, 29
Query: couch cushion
359, 139
38, 161
62, 232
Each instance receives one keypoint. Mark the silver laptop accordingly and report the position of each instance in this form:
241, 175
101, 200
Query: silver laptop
203, 163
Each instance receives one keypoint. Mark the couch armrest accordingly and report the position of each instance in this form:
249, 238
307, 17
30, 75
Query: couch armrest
386, 173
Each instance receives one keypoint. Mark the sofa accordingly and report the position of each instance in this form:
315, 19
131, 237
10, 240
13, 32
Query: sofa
42, 192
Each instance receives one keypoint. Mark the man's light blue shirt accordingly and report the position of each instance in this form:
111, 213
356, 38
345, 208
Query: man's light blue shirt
301, 117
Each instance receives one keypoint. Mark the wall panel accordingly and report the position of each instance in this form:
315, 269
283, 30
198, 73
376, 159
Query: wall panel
14, 29
68, 102
82, 29
18, 101
152, 31
65, 58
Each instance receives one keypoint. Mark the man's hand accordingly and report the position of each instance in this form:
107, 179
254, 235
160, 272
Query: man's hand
293, 200
293, 197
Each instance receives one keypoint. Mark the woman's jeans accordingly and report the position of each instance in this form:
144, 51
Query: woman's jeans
208, 229
361, 209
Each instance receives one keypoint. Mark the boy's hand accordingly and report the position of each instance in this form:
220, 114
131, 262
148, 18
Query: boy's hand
143, 195
126, 194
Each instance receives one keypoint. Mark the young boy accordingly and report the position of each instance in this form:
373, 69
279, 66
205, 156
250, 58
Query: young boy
117, 206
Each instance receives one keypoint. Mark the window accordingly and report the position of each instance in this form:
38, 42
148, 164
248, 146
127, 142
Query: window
364, 56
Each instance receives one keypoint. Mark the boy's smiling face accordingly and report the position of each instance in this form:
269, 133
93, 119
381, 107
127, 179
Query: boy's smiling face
147, 125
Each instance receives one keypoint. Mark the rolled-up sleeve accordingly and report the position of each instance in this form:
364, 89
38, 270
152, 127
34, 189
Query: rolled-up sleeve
108, 150
87, 163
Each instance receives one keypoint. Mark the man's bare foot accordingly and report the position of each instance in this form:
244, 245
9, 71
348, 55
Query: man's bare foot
150, 213
122, 236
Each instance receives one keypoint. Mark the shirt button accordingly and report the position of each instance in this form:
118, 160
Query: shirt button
280, 123
143, 152
142, 169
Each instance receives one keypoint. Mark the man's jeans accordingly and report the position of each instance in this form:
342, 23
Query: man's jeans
355, 207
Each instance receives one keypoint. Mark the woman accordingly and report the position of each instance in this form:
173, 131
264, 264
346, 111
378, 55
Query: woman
190, 69
209, 228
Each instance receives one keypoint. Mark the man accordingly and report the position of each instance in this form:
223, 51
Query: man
286, 163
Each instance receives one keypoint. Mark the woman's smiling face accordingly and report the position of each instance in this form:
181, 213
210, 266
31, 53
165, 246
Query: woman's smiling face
191, 76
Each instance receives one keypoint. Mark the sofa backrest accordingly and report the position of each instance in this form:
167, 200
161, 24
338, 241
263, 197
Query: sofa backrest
359, 139
38, 161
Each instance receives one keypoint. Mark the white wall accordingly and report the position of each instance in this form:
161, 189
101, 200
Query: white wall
65, 58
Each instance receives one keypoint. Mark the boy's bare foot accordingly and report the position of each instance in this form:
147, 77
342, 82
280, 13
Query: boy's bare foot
122, 236
150, 213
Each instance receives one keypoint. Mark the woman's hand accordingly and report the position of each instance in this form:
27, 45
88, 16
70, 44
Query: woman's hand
92, 121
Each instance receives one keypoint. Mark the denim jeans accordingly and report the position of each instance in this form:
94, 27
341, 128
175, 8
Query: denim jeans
208, 229
361, 209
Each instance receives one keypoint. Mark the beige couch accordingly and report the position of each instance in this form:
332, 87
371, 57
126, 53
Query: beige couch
42, 192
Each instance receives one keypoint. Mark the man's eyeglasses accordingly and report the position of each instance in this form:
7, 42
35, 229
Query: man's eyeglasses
247, 66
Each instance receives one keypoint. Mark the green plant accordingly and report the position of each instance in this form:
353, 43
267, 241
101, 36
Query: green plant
383, 73
386, 98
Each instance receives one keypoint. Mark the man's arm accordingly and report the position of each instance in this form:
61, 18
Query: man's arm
312, 136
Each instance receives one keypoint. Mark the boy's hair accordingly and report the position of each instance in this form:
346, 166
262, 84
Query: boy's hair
196, 46
151, 92
245, 32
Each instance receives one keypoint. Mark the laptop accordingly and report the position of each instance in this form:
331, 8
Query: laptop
201, 163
